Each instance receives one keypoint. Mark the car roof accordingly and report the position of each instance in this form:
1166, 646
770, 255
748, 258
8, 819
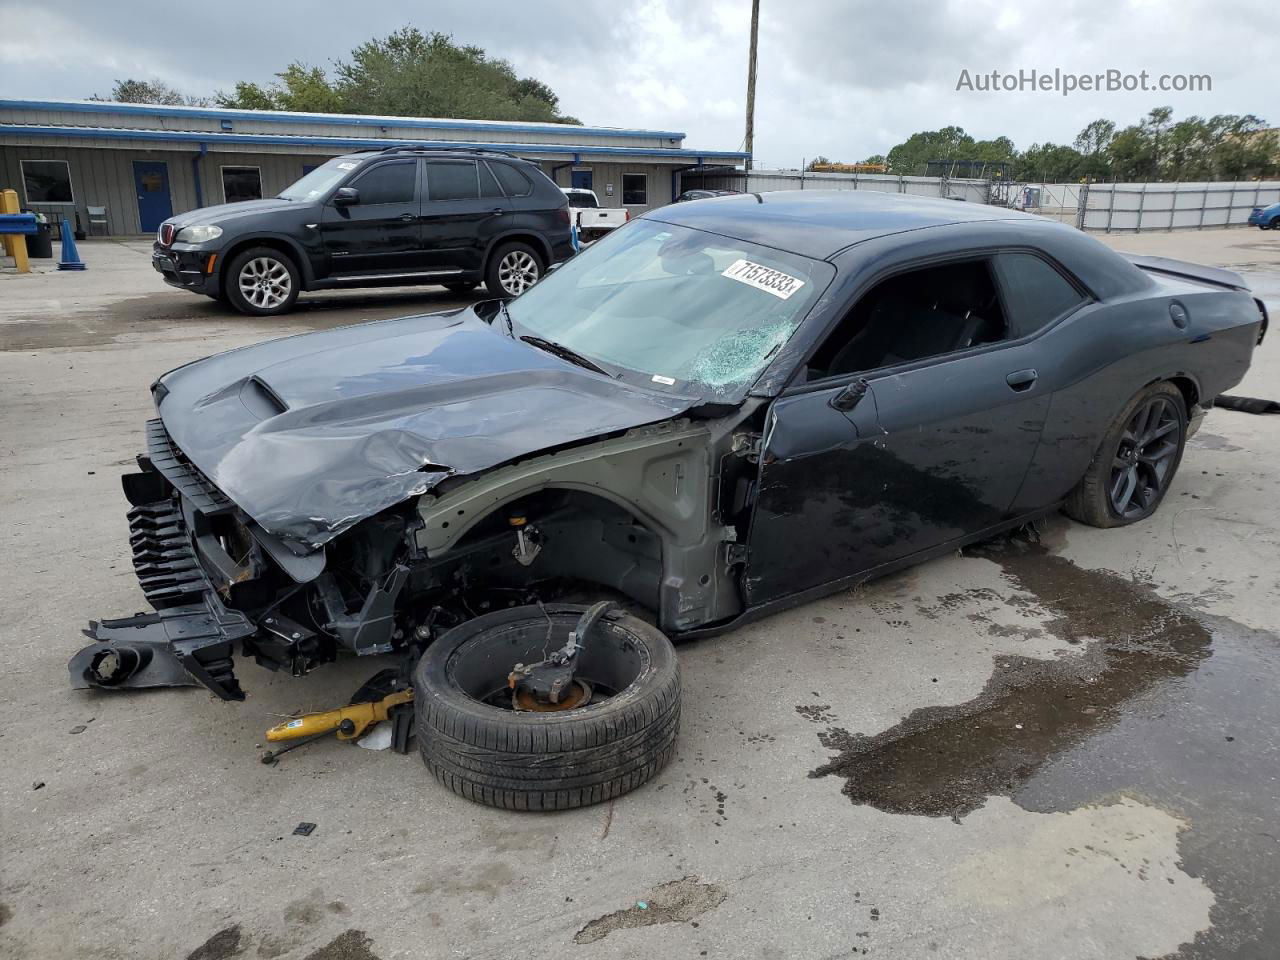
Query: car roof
820, 223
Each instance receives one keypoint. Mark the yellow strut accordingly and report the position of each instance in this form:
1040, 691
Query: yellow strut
350, 722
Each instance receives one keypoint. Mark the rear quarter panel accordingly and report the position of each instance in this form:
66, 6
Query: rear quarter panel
1103, 355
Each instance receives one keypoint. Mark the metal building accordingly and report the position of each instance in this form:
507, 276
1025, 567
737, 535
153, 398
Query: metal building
144, 163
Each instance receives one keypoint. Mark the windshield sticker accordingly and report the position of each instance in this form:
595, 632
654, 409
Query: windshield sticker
659, 378
781, 285
347, 166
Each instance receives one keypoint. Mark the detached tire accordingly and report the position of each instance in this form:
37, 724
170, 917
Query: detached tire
1132, 469
487, 752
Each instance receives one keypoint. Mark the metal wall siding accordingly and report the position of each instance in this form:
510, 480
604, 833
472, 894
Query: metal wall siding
99, 178
659, 176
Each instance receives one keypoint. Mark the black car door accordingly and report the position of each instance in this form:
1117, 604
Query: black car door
916, 428
464, 211
380, 234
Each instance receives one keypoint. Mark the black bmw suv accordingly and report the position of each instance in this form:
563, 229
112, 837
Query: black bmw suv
393, 217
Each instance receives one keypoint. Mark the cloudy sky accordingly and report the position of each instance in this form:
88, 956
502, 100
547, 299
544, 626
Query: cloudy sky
843, 78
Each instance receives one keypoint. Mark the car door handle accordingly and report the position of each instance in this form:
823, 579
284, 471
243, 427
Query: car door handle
1022, 379
408, 217
497, 211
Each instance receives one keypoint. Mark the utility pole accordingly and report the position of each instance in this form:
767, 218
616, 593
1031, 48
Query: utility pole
751, 80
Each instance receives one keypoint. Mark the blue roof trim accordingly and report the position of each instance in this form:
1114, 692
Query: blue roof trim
271, 116
342, 143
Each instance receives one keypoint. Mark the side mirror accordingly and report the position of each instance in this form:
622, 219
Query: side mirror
850, 396
555, 266
346, 197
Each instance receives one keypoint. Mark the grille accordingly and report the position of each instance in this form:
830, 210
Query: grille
181, 472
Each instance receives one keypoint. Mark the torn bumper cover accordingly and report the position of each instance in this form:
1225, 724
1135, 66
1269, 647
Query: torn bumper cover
174, 647
191, 637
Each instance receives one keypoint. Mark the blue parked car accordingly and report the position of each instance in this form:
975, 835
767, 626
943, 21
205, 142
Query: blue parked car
1266, 218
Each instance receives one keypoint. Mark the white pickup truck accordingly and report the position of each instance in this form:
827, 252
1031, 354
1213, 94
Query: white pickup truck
593, 220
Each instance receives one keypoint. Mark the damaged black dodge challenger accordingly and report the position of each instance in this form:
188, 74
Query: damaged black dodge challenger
724, 409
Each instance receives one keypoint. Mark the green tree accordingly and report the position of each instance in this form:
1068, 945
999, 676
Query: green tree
1092, 144
298, 87
1048, 163
912, 157
816, 161
411, 73
150, 91
406, 74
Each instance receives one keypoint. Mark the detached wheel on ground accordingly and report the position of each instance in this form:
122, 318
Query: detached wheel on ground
611, 731
513, 269
262, 282
1133, 468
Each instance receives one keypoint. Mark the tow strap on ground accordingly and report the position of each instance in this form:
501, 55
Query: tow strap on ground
1247, 404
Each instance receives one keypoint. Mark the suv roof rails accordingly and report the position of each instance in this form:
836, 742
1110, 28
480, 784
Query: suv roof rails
427, 148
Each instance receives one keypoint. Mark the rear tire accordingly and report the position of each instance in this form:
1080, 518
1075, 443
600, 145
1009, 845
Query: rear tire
1136, 462
555, 760
513, 268
262, 282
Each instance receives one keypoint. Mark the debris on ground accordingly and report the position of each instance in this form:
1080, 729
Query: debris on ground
377, 739
304, 829
678, 901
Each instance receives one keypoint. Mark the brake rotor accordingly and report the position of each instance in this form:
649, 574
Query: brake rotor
578, 695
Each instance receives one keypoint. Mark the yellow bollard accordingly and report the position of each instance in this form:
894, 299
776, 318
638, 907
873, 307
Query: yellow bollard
8, 204
15, 245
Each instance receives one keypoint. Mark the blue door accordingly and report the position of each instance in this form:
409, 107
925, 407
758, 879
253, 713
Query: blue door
151, 178
580, 179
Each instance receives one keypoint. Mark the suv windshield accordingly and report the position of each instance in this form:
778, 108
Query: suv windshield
683, 309
320, 180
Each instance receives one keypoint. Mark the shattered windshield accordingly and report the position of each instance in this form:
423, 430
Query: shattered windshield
679, 308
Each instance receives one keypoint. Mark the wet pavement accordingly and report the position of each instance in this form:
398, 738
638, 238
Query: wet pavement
1162, 703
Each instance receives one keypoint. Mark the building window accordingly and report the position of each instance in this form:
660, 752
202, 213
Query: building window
47, 181
241, 183
635, 189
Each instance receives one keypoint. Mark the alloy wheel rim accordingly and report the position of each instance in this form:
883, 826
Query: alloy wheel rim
1143, 462
517, 272
265, 283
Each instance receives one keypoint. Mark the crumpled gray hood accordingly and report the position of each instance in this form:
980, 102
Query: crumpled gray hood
311, 434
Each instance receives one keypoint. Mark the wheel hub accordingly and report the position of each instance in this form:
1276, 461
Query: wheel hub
578, 695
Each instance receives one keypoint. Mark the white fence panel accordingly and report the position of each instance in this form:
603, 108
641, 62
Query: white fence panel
1109, 207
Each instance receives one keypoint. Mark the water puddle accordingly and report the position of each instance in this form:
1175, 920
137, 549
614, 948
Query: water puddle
1157, 702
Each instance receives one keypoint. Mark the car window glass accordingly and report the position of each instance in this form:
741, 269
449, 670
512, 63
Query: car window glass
452, 180
387, 183
713, 310
584, 200
1035, 293
515, 183
488, 184
912, 316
